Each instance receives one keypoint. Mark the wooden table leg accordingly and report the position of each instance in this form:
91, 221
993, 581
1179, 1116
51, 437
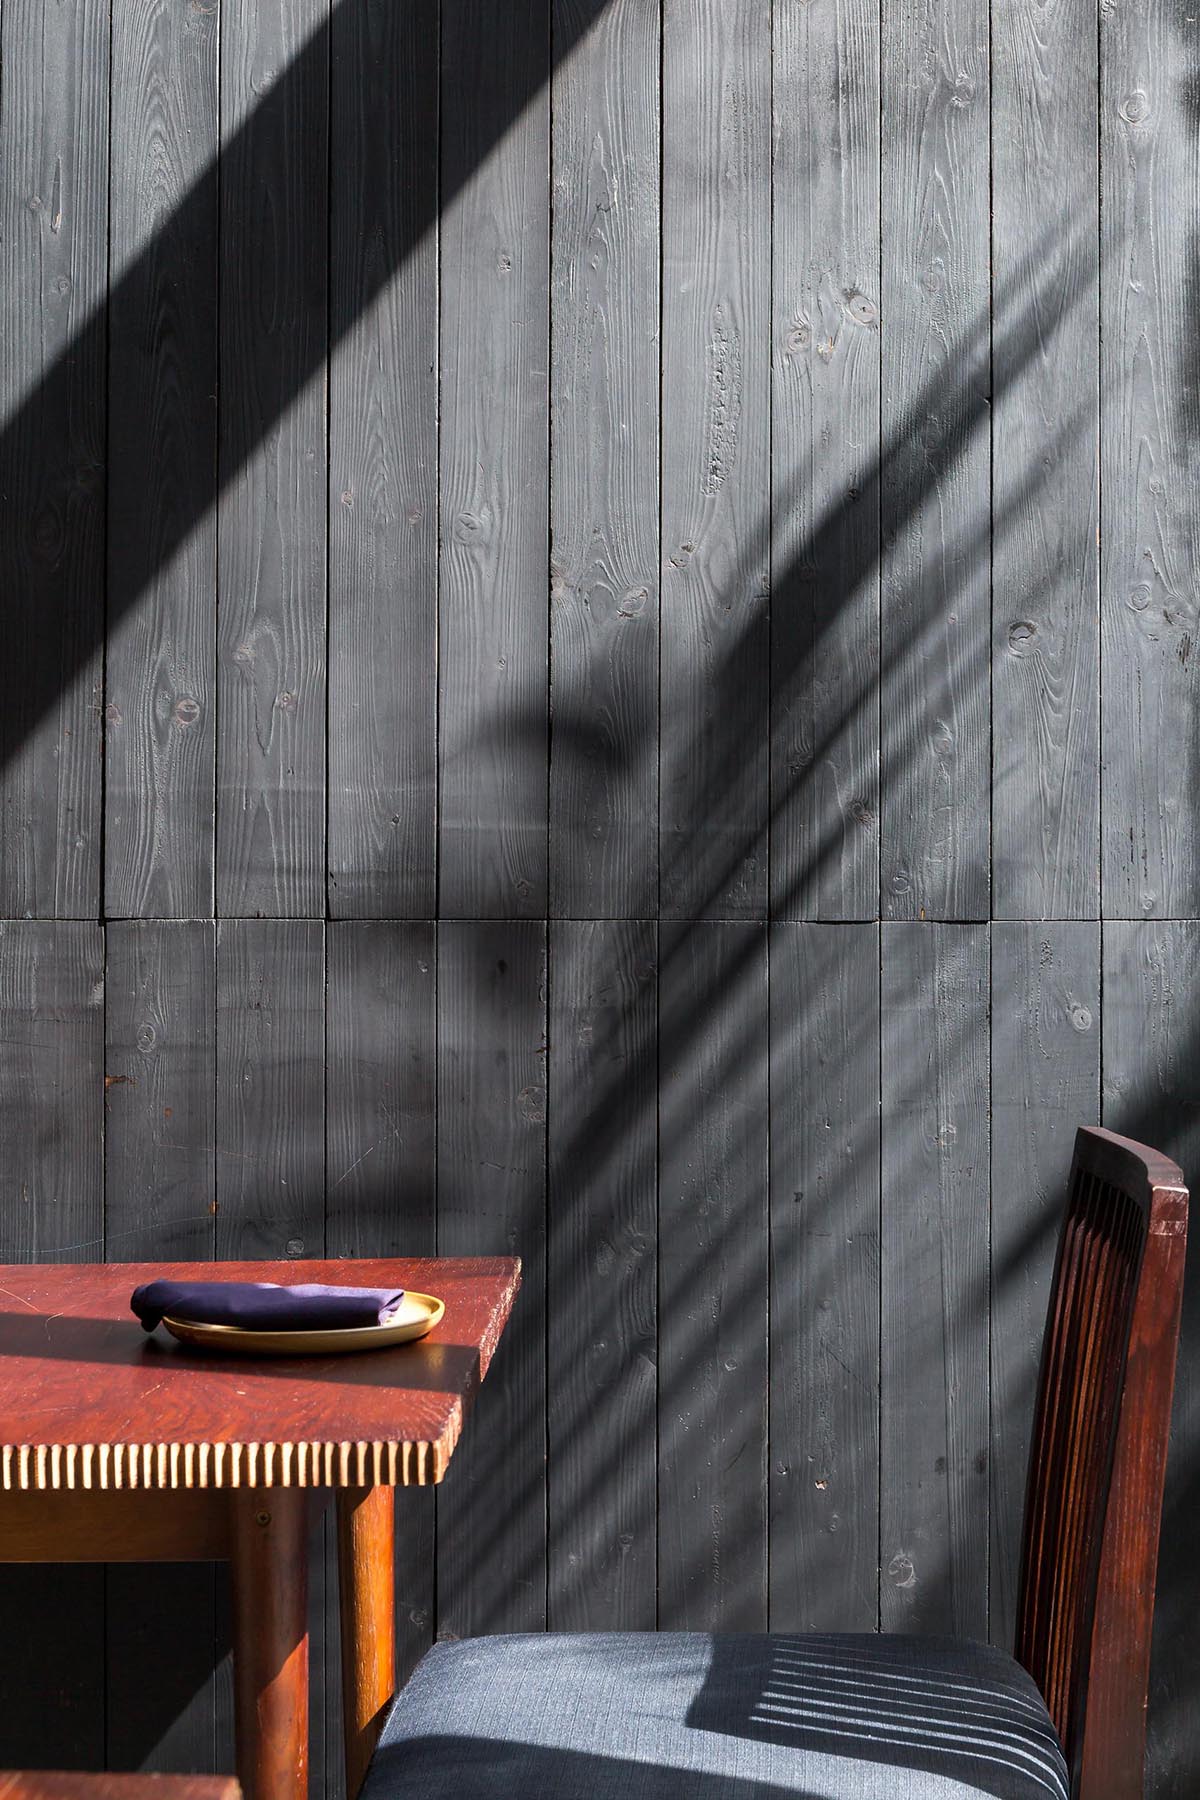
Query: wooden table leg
270, 1640
366, 1549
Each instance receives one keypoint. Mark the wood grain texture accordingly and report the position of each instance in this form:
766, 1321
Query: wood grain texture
160, 740
51, 1097
492, 1197
381, 1161
270, 1632
1151, 1043
160, 1201
381, 1023
825, 468
167, 1417
933, 1465
824, 1298
601, 1303
713, 1277
57, 1784
604, 463
716, 431
270, 1088
51, 1133
1045, 1055
53, 273
272, 459
934, 495
160, 1090
1045, 660
366, 1534
1150, 420
494, 448
383, 460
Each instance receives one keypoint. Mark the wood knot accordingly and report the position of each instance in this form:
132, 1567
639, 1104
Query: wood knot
1135, 108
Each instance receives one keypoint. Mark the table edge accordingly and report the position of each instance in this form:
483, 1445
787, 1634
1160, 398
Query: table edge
26, 1468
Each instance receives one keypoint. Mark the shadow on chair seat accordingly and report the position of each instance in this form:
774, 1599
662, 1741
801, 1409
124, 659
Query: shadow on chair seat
687, 1716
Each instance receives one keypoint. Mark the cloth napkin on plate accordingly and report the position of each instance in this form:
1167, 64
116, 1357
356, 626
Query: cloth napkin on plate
263, 1305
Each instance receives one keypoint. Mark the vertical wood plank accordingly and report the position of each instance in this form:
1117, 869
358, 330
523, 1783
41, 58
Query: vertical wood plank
160, 1204
382, 1169
933, 1466
160, 744
713, 1276
1150, 504
160, 1091
53, 276
601, 1300
824, 1299
51, 1094
272, 457
383, 459
494, 452
270, 1088
492, 1201
825, 474
1045, 248
1045, 1082
270, 1171
604, 469
935, 472
716, 435
51, 1151
381, 1089
1151, 1053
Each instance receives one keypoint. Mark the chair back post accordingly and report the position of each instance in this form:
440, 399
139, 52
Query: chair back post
1098, 1458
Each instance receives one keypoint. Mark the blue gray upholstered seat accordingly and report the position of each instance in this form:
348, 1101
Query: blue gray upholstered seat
688, 1716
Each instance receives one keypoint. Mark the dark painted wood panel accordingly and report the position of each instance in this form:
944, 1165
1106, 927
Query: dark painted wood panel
604, 464
53, 274
716, 436
825, 470
601, 1302
272, 459
1150, 420
1151, 1052
271, 1174
381, 1154
51, 1092
380, 1089
934, 493
160, 1202
824, 1298
491, 1102
160, 740
933, 1464
270, 1088
1045, 1082
713, 1275
51, 1148
383, 460
1045, 366
494, 449
160, 1091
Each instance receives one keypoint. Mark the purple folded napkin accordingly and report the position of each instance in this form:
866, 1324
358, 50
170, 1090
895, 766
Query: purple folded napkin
263, 1305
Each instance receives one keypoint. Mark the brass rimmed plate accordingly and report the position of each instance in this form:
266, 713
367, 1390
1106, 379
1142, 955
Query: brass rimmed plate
417, 1314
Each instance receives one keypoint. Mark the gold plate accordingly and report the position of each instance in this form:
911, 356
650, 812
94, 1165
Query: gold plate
417, 1314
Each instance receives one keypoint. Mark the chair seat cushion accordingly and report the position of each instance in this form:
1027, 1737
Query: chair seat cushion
689, 1716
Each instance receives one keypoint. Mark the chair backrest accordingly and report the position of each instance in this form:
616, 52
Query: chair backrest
1098, 1457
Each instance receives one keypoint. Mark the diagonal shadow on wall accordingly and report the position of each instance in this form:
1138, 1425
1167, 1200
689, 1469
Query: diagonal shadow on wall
51, 474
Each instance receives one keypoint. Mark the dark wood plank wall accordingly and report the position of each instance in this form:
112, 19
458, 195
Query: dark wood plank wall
599, 660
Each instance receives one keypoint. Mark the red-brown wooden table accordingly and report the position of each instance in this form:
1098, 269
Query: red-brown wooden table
120, 1447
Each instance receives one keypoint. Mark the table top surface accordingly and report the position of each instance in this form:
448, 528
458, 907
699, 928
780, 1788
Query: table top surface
90, 1400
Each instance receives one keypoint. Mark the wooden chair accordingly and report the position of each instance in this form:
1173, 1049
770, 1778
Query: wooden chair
694, 1716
